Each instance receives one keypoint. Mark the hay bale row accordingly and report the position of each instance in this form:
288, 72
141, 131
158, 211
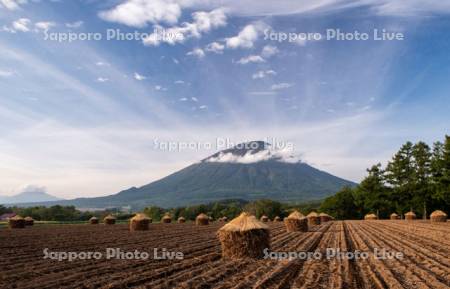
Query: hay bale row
313, 219
181, 220
16, 222
370, 217
394, 216
202, 220
140, 222
296, 222
93, 221
166, 219
410, 216
29, 221
244, 237
438, 216
324, 217
109, 220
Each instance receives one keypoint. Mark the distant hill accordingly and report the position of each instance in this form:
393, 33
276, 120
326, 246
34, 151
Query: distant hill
249, 172
28, 197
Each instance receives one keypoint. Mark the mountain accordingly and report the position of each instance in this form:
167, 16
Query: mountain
28, 197
248, 171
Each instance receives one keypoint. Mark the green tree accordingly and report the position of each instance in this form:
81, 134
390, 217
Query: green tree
400, 175
372, 195
422, 194
4, 210
264, 207
154, 212
440, 170
342, 205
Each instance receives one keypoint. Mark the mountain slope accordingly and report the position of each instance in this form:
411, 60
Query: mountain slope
248, 171
210, 181
28, 197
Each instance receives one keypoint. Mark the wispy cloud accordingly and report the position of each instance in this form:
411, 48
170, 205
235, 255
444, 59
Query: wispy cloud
280, 86
269, 51
215, 47
44, 25
102, 79
294, 7
12, 4
251, 59
139, 77
197, 52
263, 73
21, 25
6, 73
74, 25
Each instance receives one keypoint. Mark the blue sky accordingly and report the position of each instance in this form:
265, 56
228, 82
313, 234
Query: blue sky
84, 118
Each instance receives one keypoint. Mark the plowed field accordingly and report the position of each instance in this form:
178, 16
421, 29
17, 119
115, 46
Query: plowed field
425, 262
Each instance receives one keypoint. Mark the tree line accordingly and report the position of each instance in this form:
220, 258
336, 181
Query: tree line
225, 208
60, 213
417, 178
232, 208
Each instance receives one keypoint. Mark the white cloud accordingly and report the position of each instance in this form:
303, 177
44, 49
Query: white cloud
262, 93
12, 4
8, 29
409, 8
290, 7
244, 39
139, 77
263, 73
6, 73
74, 25
269, 51
251, 59
170, 36
101, 63
197, 52
203, 22
21, 25
179, 82
183, 99
247, 36
215, 47
203, 107
102, 79
44, 25
194, 99
282, 155
160, 88
300, 42
259, 74
280, 86
24, 25
145, 11
175, 61
138, 13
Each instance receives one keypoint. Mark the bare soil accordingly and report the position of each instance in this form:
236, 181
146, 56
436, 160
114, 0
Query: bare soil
425, 263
